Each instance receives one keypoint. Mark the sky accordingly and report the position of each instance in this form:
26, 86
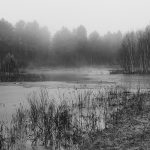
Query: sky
99, 15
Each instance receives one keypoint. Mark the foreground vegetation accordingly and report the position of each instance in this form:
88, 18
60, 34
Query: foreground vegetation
116, 119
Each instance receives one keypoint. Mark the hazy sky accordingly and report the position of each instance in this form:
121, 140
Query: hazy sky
100, 15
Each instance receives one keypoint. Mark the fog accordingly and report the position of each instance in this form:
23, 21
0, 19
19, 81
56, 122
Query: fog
99, 15
32, 44
73, 71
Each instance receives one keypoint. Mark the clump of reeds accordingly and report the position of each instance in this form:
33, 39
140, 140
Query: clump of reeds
71, 124
13, 136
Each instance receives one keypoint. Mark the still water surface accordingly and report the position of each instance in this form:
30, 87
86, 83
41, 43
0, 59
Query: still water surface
64, 81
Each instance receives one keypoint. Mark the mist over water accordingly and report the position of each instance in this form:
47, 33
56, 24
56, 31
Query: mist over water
64, 82
80, 82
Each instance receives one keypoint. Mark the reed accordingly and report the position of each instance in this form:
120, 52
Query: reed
76, 124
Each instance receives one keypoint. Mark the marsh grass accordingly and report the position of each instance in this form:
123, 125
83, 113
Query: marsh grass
90, 120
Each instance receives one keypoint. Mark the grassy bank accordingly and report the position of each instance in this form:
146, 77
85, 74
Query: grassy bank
117, 119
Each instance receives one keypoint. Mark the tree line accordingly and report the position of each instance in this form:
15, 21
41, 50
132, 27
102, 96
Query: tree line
31, 44
134, 54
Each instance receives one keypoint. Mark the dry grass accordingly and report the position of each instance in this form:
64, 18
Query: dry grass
93, 121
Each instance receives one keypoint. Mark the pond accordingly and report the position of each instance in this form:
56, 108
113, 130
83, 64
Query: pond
64, 81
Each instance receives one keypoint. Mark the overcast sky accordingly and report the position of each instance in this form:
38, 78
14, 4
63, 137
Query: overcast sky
100, 15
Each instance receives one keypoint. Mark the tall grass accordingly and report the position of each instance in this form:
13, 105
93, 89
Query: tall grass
70, 124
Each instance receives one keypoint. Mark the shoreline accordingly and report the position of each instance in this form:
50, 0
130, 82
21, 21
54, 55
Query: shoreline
129, 73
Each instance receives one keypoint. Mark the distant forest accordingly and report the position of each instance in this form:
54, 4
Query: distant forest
30, 44
33, 45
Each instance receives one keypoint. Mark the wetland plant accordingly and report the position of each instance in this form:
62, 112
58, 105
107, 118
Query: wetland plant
75, 124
